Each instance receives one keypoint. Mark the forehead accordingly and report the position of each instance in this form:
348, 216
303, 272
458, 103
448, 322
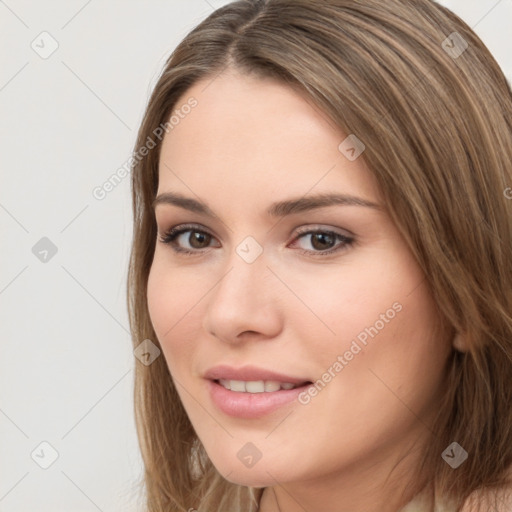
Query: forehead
252, 134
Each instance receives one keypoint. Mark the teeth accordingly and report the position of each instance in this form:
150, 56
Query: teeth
225, 383
255, 386
236, 385
271, 385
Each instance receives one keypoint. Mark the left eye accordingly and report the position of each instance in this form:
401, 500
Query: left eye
325, 241
322, 241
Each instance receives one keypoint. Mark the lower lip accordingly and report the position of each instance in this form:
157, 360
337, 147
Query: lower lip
251, 405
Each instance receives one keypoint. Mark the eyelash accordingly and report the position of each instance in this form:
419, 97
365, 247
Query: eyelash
170, 235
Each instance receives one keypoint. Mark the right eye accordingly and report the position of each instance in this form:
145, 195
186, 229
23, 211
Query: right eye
197, 238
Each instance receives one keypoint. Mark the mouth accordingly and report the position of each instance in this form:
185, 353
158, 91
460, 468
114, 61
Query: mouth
252, 377
251, 392
250, 400
259, 386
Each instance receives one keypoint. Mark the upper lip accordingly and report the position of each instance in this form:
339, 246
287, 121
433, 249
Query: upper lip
249, 373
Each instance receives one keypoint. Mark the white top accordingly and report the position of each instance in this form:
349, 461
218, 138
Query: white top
420, 502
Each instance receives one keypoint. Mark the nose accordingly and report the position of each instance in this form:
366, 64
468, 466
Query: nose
244, 304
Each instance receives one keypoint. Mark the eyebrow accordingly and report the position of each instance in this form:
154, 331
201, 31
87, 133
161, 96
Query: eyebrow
278, 209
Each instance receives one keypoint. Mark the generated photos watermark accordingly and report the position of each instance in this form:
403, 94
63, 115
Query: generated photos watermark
355, 348
101, 191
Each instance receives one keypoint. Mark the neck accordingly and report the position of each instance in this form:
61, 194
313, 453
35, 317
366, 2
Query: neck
384, 485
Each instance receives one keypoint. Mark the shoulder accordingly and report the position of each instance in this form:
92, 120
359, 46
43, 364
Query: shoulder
479, 502
499, 500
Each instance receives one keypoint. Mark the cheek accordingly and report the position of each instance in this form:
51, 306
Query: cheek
170, 294
346, 300
378, 310
393, 318
165, 305
158, 298
175, 310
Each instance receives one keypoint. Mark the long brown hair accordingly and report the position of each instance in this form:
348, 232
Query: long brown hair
434, 111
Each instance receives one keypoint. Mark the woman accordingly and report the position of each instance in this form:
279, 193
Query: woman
322, 253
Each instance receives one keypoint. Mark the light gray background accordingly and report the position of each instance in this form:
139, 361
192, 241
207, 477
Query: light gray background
67, 123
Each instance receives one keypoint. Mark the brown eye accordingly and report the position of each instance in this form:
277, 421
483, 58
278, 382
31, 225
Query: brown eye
187, 239
191, 240
323, 242
198, 239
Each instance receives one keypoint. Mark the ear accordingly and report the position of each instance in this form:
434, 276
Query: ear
460, 343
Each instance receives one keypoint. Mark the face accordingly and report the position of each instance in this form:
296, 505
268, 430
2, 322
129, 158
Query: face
320, 293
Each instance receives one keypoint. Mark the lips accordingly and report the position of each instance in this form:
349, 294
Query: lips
255, 386
251, 392
251, 373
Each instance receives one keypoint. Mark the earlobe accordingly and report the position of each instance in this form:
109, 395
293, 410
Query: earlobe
460, 343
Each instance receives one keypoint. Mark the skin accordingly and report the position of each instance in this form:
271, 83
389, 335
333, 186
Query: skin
248, 143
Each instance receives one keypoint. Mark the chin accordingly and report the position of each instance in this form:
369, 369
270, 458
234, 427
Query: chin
250, 480
256, 476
